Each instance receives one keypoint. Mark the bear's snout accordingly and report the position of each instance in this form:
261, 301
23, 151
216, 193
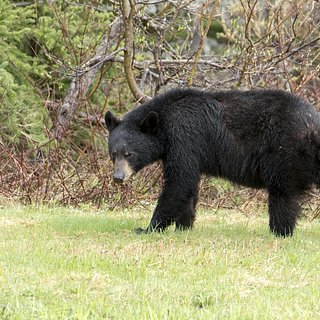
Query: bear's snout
122, 171
118, 176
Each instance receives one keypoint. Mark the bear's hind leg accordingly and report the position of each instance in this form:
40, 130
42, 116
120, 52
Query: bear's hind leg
283, 214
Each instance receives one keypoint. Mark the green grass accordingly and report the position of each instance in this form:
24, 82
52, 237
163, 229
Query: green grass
65, 263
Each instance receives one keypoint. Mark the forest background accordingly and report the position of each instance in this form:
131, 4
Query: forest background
63, 64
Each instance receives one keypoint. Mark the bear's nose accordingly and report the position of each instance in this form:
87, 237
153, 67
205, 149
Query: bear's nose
118, 176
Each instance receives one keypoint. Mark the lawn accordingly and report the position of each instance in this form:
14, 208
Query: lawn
66, 263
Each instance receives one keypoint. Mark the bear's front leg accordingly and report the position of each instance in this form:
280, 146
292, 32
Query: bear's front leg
159, 221
185, 220
283, 214
176, 203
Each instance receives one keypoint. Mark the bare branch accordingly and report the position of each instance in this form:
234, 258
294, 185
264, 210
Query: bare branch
203, 34
128, 11
79, 86
94, 63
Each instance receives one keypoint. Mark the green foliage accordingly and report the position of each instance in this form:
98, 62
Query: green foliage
38, 53
21, 112
69, 35
215, 29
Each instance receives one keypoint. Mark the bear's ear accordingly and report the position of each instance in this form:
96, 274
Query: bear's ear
150, 123
111, 121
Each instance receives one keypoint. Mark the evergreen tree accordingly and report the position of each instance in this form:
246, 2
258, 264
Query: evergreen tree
22, 113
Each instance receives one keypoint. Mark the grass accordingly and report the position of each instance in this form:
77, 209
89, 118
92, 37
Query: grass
66, 263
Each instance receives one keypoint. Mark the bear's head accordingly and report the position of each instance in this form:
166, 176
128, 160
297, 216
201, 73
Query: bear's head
133, 143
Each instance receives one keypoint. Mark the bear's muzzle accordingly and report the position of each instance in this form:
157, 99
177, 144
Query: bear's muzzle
122, 171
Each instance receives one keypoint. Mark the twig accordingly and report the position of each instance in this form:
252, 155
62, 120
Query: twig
94, 63
128, 11
203, 35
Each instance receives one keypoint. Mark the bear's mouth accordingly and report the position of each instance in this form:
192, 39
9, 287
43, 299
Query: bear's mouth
122, 171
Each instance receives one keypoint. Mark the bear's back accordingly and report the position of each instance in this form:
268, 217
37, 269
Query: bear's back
251, 115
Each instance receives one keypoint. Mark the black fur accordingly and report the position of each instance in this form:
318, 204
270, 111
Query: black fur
262, 139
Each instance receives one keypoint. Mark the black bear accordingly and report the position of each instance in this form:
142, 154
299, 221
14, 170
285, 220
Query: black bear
261, 139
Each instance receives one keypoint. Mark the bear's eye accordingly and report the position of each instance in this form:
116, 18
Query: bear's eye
128, 155
113, 155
